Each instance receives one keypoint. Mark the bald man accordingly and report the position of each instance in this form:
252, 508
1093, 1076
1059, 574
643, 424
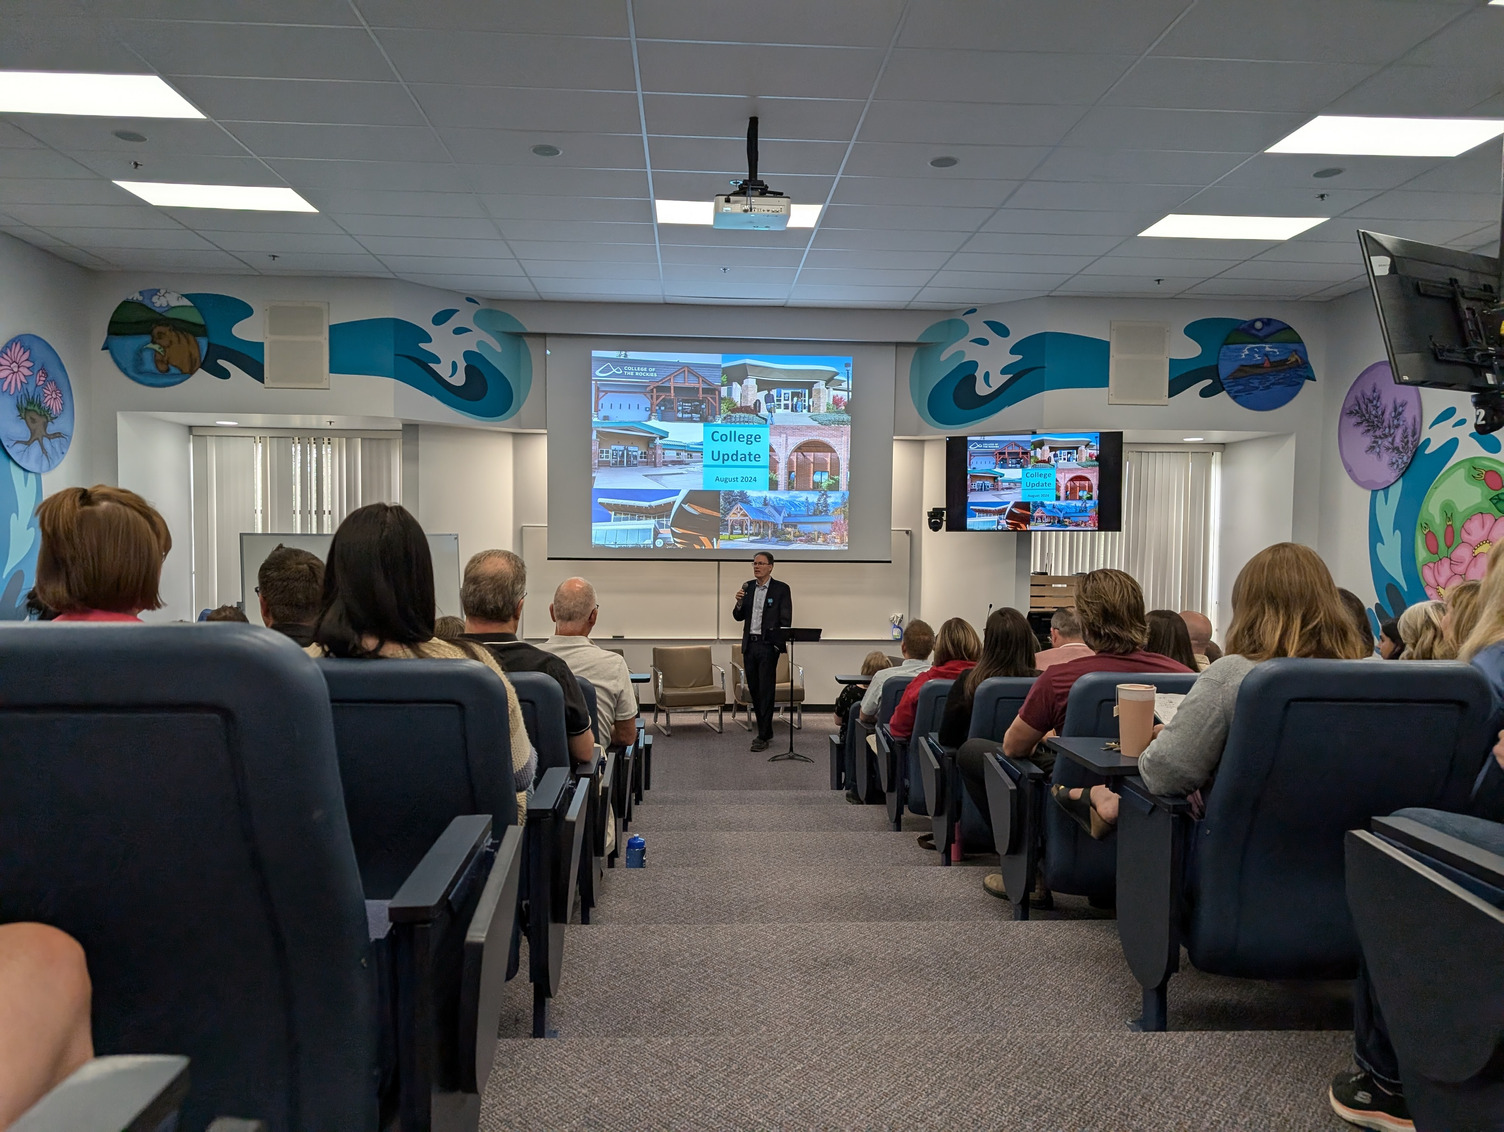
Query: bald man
574, 611
1200, 628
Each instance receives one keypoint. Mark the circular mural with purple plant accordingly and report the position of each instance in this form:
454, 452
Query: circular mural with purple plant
1379, 428
36, 404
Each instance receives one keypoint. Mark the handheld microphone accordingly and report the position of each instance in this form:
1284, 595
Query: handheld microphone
989, 611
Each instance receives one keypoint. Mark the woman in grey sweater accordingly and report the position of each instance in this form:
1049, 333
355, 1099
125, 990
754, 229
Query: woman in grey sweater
1284, 603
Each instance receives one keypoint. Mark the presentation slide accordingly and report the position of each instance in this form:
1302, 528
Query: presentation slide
1033, 481
694, 451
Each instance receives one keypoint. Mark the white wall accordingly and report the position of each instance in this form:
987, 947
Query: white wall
155, 461
465, 486
1257, 508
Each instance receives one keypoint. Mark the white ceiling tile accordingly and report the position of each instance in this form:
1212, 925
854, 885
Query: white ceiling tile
1090, 197
415, 144
565, 287
160, 239
1359, 174
280, 243
123, 216
898, 216
873, 260
1295, 272
529, 108
935, 190
443, 227
894, 159
163, 135
186, 259
43, 164
461, 55
729, 157
1251, 288
723, 257
380, 202
1146, 166
775, 21
576, 208
1024, 243
591, 269
1001, 76
1228, 251
948, 124
1228, 84
184, 47
299, 260
1477, 207
477, 286
1474, 172
302, 100
852, 293
494, 267
1301, 250
725, 291
546, 17
1148, 267
577, 251
193, 169
290, 224
1010, 280
1419, 91
910, 278
677, 274
543, 179
1024, 264
584, 231
515, 147
1361, 31
888, 240
692, 235
1338, 290
1170, 286
1070, 223
1109, 26
1219, 131
326, 12
725, 116
955, 298
394, 176
59, 42
671, 184
419, 245
29, 190
1238, 200
798, 72
13, 137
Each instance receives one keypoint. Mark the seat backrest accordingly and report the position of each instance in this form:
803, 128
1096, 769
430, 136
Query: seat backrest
893, 690
171, 798
587, 689
687, 666
421, 742
542, 703
1318, 747
995, 705
1089, 710
930, 708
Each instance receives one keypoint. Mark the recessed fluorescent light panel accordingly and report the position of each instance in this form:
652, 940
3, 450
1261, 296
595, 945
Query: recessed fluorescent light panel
703, 212
1390, 137
1186, 227
250, 198
100, 96
1194, 439
228, 424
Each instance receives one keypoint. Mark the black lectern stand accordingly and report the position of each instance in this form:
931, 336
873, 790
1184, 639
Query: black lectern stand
790, 636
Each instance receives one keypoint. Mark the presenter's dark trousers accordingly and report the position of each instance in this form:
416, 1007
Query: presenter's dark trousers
762, 681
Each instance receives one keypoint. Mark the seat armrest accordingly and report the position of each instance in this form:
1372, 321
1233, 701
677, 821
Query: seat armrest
569, 842
427, 888
112, 1094
657, 675
551, 788
722, 673
588, 769
1461, 855
1170, 803
1153, 832
488, 943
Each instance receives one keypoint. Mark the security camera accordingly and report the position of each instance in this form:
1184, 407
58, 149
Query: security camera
937, 518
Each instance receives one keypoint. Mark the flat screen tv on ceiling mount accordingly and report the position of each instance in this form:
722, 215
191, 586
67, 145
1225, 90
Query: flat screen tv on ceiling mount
1059, 480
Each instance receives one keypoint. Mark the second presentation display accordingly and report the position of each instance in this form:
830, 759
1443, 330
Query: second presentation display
720, 451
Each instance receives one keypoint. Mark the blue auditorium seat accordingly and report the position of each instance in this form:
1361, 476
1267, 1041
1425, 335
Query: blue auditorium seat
173, 801
1429, 911
993, 708
904, 788
1317, 747
864, 762
113, 1094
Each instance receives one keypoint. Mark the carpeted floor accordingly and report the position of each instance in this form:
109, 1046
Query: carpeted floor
785, 961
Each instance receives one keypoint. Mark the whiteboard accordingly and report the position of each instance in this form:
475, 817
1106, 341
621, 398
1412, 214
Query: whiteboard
686, 600
255, 547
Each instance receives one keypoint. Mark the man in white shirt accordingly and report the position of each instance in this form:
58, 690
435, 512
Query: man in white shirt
574, 611
1065, 640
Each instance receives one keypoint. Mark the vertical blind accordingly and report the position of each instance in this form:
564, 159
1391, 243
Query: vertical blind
1169, 537
282, 484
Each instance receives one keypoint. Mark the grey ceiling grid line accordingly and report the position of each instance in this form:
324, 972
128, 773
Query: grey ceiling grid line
443, 144
856, 132
1144, 54
647, 153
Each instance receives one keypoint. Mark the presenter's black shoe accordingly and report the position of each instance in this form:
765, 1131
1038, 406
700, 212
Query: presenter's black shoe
1358, 1099
759, 744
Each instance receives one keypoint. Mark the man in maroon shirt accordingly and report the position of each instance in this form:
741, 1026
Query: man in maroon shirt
1110, 605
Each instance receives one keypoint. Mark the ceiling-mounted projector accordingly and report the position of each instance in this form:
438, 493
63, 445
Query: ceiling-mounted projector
752, 204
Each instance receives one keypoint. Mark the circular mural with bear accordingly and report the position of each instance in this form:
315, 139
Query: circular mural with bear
1379, 428
1263, 364
157, 337
36, 404
1461, 519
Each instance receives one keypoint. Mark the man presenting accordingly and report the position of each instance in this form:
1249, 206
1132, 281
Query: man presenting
765, 607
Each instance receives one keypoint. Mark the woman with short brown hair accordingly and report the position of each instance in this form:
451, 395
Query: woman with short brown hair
101, 554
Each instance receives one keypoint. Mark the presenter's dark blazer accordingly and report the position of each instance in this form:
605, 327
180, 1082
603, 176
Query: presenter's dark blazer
778, 615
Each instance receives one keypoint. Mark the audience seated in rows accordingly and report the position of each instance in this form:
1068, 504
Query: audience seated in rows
1199, 628
1169, 637
1422, 631
956, 650
1114, 625
1284, 603
1464, 603
917, 645
573, 611
448, 628
1358, 612
1007, 650
491, 596
378, 604
290, 587
101, 554
1390, 645
1065, 640
45, 999
231, 614
851, 695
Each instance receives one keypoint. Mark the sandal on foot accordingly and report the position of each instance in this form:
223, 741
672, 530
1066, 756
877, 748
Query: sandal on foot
1081, 810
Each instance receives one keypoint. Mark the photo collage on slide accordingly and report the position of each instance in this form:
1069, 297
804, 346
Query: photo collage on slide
719, 451
1033, 481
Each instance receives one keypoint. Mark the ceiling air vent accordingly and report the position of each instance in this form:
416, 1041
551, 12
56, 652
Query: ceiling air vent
1138, 365
297, 346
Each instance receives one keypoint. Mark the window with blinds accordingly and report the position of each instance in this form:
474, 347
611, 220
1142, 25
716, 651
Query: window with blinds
279, 483
1169, 536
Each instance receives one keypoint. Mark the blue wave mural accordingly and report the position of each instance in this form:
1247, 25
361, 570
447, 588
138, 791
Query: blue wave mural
20, 492
960, 376
478, 364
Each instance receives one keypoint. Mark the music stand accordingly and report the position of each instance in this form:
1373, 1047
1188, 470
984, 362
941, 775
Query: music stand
790, 636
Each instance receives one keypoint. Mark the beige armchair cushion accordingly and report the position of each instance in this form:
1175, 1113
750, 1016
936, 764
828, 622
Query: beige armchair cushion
742, 695
687, 678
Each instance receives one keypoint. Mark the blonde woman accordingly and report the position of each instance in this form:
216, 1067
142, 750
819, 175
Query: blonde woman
1284, 603
1463, 607
1424, 632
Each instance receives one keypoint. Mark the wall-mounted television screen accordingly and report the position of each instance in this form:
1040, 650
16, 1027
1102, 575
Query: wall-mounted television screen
1062, 480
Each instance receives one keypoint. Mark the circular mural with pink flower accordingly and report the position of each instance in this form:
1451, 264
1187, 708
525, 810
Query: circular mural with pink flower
1460, 521
36, 404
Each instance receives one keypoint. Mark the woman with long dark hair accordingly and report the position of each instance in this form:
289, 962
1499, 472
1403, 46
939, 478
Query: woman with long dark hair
1169, 637
378, 604
1008, 649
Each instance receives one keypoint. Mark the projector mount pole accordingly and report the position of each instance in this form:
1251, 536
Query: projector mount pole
753, 186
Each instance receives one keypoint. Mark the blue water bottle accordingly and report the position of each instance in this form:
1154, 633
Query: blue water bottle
637, 852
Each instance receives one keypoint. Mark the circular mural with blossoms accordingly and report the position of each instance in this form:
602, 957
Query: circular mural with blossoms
36, 404
1461, 519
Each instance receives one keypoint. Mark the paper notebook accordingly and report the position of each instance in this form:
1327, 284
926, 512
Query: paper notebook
1166, 704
